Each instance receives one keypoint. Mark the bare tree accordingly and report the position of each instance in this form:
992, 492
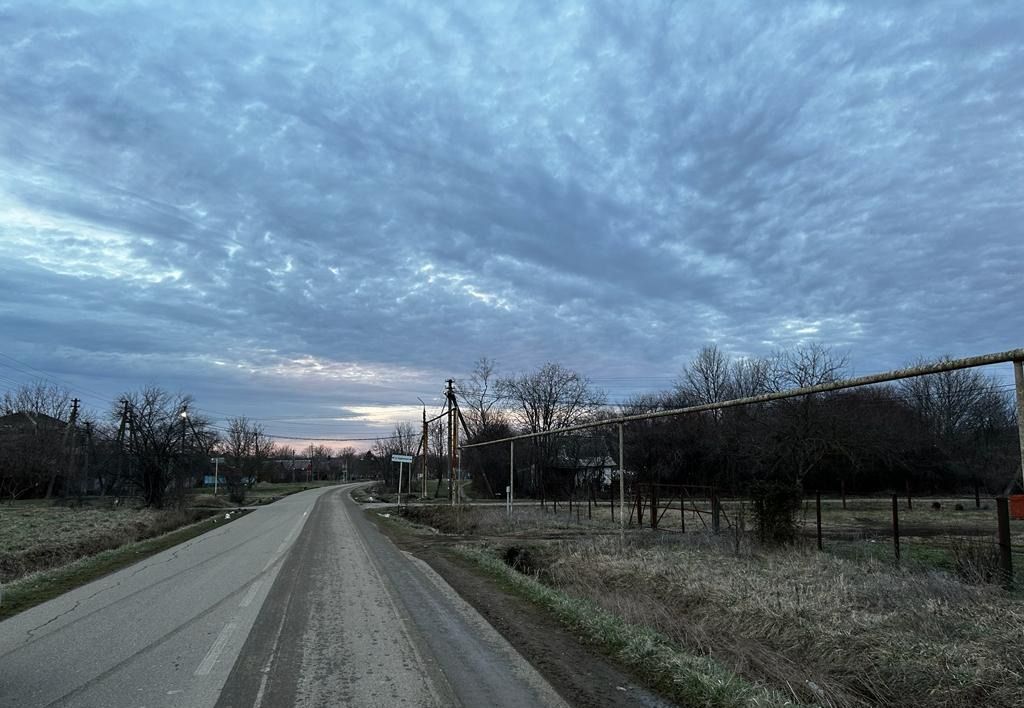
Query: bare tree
403, 441
164, 440
551, 397
706, 378
347, 455
246, 448
969, 419
318, 455
38, 397
480, 400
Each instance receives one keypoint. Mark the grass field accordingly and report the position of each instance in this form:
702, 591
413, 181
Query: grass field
36, 537
836, 628
38, 587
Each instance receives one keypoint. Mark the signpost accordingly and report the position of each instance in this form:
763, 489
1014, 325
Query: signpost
402, 459
216, 472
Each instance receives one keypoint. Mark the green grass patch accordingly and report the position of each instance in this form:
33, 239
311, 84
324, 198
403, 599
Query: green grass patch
40, 587
686, 678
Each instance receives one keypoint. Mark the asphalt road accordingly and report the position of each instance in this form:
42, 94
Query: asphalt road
301, 603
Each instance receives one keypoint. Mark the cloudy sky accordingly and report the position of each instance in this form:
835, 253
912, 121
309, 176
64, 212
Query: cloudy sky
313, 213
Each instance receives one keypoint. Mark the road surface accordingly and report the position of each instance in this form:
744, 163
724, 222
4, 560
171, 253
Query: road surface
302, 602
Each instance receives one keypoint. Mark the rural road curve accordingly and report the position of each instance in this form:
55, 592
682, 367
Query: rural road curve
302, 602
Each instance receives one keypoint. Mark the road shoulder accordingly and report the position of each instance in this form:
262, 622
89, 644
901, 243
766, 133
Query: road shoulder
580, 674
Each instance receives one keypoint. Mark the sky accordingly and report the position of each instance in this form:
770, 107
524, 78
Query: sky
314, 213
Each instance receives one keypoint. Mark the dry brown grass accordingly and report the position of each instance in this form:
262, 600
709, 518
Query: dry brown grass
36, 537
827, 630
493, 521
831, 631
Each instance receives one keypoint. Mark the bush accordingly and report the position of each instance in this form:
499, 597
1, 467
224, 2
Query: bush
775, 505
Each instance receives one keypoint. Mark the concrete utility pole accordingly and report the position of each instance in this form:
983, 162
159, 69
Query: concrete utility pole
68, 449
180, 482
423, 469
450, 395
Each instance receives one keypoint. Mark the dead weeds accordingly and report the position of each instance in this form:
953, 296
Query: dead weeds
822, 629
35, 538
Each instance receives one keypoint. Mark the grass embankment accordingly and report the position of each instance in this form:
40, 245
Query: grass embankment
64, 574
711, 626
36, 537
688, 678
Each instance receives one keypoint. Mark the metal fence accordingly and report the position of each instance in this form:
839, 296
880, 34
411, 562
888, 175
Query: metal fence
654, 504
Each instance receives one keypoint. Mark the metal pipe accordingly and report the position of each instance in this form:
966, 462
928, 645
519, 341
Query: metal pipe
1018, 376
622, 490
1014, 355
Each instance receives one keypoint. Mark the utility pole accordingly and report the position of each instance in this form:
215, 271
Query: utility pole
426, 442
68, 450
180, 484
450, 395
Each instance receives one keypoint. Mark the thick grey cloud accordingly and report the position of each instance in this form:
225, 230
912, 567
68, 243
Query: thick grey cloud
297, 209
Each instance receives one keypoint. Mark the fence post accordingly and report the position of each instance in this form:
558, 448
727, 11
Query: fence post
842, 491
910, 503
896, 526
817, 502
1005, 552
715, 511
682, 511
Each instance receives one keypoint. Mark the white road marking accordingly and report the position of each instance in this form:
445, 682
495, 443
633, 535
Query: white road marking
206, 666
249, 596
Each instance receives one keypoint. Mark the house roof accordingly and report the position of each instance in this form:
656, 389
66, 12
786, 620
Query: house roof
22, 421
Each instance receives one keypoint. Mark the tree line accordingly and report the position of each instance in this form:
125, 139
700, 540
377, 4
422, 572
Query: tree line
151, 443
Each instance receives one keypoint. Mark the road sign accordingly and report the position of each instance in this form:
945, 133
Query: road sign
402, 458
217, 460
